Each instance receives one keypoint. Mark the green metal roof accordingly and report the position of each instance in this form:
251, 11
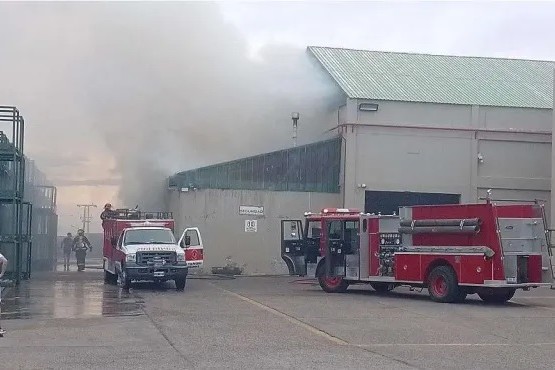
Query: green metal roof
364, 74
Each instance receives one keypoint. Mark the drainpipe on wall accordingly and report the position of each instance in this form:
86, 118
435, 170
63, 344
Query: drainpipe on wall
344, 164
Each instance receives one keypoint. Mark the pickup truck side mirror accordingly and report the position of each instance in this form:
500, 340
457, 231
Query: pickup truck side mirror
114, 241
187, 240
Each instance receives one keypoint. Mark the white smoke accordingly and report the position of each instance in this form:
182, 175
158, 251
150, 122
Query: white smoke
158, 87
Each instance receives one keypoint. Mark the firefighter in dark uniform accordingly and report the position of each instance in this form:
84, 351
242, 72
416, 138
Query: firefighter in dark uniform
80, 246
67, 247
107, 213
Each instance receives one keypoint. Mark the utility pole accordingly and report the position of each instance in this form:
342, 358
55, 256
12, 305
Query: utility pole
86, 218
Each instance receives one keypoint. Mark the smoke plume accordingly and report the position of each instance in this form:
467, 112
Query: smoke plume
133, 92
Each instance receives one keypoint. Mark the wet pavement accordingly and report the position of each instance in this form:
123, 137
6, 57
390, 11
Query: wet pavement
72, 320
68, 295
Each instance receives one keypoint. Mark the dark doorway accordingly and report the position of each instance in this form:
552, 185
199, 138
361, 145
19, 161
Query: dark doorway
388, 202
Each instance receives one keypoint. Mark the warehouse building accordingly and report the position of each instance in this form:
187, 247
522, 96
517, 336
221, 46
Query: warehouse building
413, 129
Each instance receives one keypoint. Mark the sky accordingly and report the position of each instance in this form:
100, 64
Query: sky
119, 96
512, 29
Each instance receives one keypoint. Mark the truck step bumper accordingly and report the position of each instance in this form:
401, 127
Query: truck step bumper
157, 273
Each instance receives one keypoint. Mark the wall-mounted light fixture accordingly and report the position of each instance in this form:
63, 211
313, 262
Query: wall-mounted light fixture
369, 107
295, 119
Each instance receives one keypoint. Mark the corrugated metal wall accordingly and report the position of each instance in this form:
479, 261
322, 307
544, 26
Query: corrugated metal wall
309, 168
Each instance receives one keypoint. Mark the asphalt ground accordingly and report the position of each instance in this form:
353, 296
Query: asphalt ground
71, 320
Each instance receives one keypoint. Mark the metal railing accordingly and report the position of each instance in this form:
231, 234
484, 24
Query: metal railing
28, 223
134, 214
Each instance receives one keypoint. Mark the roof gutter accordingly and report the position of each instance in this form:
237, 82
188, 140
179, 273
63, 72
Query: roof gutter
461, 129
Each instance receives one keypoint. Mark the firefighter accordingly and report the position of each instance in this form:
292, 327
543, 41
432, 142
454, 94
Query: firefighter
80, 245
107, 213
67, 247
3, 267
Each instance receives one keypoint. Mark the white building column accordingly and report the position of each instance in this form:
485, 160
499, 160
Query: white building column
553, 158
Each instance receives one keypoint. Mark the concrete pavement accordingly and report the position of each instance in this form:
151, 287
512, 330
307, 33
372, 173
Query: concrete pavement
72, 320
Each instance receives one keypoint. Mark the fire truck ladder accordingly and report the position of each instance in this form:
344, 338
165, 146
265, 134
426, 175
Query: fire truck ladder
550, 248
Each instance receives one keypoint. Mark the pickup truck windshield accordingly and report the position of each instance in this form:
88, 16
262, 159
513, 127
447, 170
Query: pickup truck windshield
148, 236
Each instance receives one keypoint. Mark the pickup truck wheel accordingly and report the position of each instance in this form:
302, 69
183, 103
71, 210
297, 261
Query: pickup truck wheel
123, 279
109, 278
496, 295
180, 283
443, 286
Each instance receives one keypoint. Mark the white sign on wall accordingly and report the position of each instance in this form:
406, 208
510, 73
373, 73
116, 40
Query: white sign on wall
251, 210
250, 226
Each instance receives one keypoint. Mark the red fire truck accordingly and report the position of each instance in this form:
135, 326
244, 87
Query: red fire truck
141, 246
452, 250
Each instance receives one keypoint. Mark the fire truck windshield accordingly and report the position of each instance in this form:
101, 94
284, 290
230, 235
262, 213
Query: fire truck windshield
148, 236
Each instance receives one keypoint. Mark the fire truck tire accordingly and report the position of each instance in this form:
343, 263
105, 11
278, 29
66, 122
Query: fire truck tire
330, 284
180, 284
499, 295
443, 286
333, 284
382, 287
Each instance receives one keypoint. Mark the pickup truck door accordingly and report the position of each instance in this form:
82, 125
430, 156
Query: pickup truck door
194, 251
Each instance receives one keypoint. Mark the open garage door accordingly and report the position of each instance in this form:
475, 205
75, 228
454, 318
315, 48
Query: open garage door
388, 202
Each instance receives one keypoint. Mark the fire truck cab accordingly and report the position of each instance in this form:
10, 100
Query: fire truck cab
452, 250
301, 248
141, 246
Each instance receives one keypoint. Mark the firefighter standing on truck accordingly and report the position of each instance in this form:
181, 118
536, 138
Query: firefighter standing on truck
80, 245
107, 213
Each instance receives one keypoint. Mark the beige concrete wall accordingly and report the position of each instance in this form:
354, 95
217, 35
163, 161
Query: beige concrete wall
416, 160
448, 115
216, 213
513, 165
427, 147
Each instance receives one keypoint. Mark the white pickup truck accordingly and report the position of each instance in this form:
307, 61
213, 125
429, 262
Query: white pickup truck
149, 254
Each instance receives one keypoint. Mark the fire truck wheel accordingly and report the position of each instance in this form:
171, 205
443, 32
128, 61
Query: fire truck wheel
180, 283
443, 286
498, 295
333, 284
382, 287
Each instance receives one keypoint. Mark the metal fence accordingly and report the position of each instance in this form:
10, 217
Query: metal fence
309, 168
